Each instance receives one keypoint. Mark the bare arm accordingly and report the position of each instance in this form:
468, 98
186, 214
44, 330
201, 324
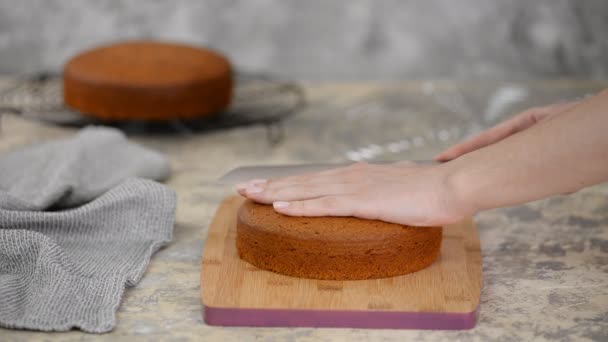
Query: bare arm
505, 129
559, 154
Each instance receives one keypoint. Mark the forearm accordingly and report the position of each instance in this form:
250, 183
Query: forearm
560, 155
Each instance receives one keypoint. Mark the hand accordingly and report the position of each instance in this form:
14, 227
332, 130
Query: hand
403, 193
516, 124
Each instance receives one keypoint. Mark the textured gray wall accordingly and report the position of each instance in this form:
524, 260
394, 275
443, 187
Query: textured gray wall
322, 39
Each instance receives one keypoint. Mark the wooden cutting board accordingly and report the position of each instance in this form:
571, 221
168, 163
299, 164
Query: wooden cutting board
442, 296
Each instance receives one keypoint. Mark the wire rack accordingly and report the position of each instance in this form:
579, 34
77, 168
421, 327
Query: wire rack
258, 100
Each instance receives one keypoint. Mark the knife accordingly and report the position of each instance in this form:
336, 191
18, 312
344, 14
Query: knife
246, 173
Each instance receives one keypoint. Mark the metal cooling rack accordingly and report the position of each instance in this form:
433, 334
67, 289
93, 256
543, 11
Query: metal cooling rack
258, 100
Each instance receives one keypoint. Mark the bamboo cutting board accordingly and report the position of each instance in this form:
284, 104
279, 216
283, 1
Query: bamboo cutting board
442, 296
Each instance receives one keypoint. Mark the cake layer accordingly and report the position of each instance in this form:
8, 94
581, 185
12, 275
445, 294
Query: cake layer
337, 248
145, 80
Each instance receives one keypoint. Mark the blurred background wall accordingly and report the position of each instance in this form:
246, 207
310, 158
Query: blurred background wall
333, 40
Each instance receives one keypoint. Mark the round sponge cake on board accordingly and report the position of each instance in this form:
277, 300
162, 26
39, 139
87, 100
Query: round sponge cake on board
147, 80
333, 248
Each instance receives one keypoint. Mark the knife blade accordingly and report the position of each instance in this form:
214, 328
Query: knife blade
246, 173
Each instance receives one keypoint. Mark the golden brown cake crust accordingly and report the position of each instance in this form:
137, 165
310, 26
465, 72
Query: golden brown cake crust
337, 248
145, 80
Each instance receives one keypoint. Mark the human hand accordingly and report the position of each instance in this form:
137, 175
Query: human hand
503, 130
403, 193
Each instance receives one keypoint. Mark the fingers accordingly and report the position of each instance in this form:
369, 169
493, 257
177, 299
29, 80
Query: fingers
241, 189
340, 181
326, 176
346, 180
337, 175
323, 206
302, 191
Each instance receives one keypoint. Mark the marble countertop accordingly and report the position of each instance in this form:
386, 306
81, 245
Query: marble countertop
545, 264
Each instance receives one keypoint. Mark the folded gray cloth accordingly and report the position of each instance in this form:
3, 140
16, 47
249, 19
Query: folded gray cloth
76, 227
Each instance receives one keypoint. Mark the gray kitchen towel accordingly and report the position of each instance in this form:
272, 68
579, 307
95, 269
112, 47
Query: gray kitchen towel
78, 223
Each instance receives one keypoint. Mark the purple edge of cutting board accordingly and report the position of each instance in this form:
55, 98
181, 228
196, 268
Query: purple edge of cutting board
340, 319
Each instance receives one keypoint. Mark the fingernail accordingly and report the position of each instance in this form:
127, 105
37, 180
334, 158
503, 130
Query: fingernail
254, 190
240, 186
280, 204
258, 181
